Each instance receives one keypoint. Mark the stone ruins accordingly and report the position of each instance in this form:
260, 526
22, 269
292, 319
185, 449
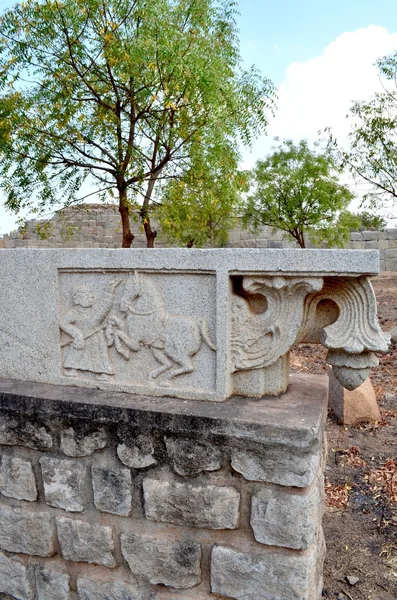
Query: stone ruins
153, 443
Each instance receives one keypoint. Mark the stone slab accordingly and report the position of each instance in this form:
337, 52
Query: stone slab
296, 419
143, 321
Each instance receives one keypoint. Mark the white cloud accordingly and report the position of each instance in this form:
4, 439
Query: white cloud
318, 93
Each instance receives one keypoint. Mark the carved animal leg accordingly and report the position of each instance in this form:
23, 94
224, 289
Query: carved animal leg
166, 363
186, 367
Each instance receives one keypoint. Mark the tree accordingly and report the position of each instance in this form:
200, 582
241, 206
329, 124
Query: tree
368, 220
371, 154
202, 206
117, 93
297, 190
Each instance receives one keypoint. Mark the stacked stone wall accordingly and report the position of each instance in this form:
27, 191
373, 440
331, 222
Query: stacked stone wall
102, 503
99, 226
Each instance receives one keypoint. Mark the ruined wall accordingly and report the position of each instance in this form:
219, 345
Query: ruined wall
98, 226
109, 496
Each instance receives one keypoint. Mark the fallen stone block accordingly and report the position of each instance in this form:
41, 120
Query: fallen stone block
352, 407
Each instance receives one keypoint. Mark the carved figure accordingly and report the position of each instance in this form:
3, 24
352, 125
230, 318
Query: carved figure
85, 323
174, 339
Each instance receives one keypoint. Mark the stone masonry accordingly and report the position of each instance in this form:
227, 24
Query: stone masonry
98, 226
108, 496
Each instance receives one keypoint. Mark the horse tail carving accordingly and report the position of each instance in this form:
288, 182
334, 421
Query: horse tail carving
205, 333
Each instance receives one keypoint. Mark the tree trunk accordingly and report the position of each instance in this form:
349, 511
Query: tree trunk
128, 236
150, 233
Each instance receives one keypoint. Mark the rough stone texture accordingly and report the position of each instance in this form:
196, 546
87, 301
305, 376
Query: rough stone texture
51, 584
91, 589
92, 314
277, 465
139, 455
17, 479
112, 490
17, 432
85, 542
190, 458
281, 518
76, 444
352, 407
295, 420
25, 531
267, 576
163, 559
210, 506
167, 554
15, 579
63, 483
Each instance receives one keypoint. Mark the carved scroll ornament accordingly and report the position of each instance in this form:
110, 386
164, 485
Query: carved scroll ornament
338, 312
263, 332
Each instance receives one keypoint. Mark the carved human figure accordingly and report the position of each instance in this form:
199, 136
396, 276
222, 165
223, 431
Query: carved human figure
88, 351
173, 339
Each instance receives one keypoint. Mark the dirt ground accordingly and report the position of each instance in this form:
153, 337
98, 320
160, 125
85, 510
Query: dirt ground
360, 521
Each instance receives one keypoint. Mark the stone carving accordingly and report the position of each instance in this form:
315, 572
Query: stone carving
193, 324
270, 314
353, 334
87, 351
174, 339
267, 318
134, 319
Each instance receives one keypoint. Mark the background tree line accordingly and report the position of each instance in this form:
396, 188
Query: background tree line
147, 104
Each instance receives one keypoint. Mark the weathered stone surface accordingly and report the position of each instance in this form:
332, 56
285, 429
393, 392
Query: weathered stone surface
138, 455
17, 479
91, 589
85, 542
190, 457
75, 444
112, 489
163, 559
15, 579
63, 483
281, 518
92, 314
210, 506
25, 531
267, 576
352, 407
192, 594
17, 432
52, 584
296, 419
282, 465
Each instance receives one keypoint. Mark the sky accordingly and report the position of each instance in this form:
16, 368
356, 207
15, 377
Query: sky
319, 53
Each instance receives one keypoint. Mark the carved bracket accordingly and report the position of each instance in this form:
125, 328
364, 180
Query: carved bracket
270, 314
266, 318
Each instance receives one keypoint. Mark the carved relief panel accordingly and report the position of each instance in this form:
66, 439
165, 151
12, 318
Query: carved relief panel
139, 328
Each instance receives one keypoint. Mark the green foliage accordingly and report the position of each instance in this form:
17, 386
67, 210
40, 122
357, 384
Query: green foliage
201, 207
368, 220
372, 151
297, 190
337, 235
118, 94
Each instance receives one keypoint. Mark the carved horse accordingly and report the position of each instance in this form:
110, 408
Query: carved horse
173, 339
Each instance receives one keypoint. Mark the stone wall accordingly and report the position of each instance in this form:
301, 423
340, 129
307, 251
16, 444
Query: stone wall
98, 226
112, 496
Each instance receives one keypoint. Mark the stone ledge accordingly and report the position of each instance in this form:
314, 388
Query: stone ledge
295, 419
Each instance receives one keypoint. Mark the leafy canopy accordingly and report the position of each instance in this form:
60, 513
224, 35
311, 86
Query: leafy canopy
118, 93
371, 154
296, 189
201, 207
